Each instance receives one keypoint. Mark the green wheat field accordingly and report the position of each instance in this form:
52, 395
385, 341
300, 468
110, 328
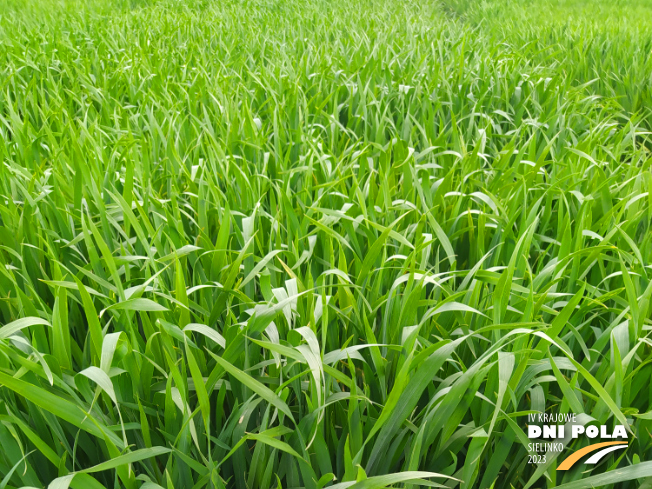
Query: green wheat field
283, 244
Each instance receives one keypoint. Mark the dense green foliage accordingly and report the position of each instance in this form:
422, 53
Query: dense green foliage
605, 44
293, 244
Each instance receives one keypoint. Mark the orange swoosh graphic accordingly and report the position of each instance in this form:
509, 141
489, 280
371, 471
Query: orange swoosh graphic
570, 461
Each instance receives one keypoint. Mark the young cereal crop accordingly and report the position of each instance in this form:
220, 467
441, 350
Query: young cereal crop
356, 244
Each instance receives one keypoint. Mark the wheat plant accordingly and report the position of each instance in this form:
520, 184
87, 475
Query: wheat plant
286, 244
